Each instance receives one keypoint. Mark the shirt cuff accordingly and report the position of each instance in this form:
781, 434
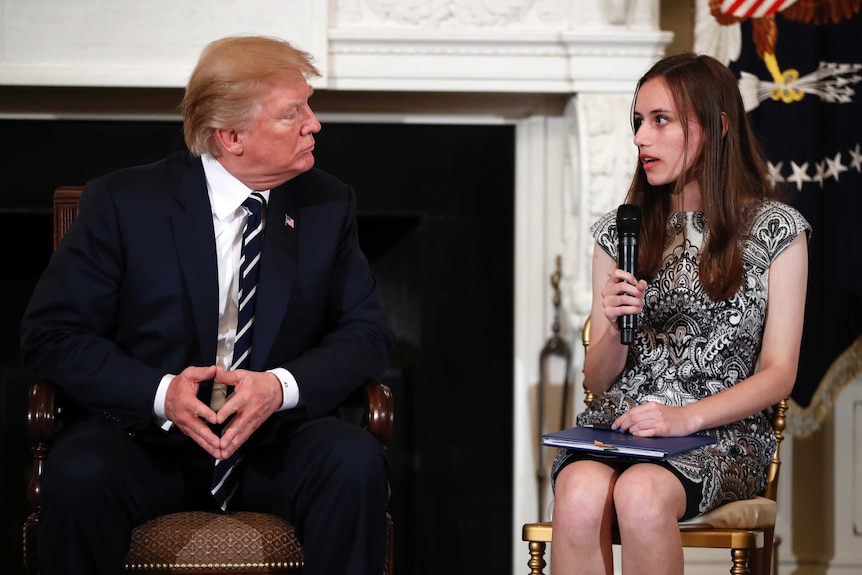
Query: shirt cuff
159, 403
289, 388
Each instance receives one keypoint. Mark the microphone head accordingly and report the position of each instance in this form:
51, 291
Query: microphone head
629, 219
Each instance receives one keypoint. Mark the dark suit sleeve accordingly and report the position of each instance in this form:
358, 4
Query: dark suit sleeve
70, 324
353, 337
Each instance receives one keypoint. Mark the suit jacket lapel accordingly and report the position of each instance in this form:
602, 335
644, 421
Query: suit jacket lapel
193, 229
277, 272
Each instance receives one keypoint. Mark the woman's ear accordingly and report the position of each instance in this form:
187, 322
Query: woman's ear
723, 124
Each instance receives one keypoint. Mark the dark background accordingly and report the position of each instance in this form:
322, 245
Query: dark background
436, 219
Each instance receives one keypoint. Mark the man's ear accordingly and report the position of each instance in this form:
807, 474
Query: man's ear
229, 140
723, 124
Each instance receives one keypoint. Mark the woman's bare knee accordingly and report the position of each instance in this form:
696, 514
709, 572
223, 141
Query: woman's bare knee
583, 496
647, 494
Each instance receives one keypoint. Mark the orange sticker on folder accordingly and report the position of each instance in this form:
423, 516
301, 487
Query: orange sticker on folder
603, 445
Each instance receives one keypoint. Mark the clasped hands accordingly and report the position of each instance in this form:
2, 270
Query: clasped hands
256, 396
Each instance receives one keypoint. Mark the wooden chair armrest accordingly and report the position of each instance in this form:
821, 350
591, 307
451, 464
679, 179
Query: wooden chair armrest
372, 407
40, 430
41, 412
379, 410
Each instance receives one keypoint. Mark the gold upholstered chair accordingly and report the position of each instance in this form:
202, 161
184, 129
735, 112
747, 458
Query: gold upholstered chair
746, 528
194, 541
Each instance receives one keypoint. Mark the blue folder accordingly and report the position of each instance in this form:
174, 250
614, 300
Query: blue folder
616, 443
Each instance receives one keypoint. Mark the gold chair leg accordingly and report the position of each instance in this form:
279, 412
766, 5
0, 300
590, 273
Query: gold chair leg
537, 558
763, 561
740, 562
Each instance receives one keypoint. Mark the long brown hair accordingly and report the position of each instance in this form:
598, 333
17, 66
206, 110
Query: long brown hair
729, 168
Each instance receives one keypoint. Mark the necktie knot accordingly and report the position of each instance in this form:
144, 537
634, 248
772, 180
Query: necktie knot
254, 204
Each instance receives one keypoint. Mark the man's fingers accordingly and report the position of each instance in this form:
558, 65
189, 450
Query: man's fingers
228, 410
205, 412
208, 440
201, 434
227, 377
198, 373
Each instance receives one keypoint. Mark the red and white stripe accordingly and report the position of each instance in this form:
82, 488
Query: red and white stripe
753, 8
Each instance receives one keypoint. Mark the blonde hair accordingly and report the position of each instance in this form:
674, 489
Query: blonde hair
230, 78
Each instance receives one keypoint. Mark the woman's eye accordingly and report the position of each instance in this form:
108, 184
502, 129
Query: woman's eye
637, 123
661, 120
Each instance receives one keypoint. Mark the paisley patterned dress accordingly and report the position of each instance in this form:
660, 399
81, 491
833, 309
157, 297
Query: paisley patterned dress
688, 347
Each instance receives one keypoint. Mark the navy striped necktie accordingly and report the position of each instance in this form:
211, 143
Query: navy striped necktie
249, 270
225, 475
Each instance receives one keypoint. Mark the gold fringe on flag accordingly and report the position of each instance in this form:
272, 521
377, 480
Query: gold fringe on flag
847, 367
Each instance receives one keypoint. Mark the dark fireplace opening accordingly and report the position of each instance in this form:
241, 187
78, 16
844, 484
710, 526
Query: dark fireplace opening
436, 221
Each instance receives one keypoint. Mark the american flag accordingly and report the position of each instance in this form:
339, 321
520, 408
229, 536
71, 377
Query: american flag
288, 221
814, 148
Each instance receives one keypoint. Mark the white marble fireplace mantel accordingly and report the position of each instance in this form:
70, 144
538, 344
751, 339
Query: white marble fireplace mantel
572, 162
556, 46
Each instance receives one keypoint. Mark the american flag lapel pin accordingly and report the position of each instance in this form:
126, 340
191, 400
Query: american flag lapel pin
289, 221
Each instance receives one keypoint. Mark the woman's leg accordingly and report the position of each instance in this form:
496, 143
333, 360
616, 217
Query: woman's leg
583, 514
649, 500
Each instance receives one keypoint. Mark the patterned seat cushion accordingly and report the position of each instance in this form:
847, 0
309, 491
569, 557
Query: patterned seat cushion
202, 540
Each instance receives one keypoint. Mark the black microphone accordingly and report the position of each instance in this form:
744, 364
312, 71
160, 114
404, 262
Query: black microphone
628, 230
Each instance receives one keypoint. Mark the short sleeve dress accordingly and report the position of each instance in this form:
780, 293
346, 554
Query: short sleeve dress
687, 347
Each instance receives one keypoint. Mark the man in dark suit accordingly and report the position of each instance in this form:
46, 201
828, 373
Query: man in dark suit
136, 321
